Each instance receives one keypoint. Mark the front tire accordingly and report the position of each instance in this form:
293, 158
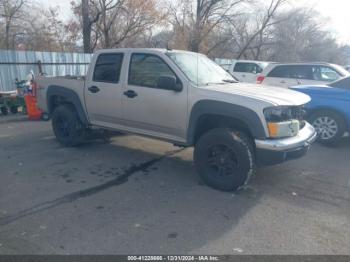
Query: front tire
67, 126
224, 159
329, 125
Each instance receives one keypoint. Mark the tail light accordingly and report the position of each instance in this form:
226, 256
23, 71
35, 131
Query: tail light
260, 79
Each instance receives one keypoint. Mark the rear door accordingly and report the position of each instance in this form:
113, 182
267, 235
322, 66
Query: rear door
303, 74
281, 76
103, 90
246, 71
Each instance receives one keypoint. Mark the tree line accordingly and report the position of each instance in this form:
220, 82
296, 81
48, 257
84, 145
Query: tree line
271, 30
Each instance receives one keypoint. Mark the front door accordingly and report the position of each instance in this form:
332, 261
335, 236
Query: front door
148, 109
103, 91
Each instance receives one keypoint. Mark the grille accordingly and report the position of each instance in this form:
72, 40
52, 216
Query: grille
299, 113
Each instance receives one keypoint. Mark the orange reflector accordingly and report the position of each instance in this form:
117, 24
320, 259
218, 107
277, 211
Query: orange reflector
273, 129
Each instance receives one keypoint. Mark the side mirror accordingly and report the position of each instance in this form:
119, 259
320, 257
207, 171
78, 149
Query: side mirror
169, 83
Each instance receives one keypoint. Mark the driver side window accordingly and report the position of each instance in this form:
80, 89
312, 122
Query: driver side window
146, 69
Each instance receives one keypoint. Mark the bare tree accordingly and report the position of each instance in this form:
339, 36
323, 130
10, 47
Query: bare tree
108, 23
124, 19
200, 19
89, 17
262, 24
109, 11
303, 38
10, 10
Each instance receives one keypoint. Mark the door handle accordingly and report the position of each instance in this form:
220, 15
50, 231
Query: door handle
130, 94
94, 89
283, 82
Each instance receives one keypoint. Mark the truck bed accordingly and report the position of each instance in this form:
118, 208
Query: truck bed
74, 83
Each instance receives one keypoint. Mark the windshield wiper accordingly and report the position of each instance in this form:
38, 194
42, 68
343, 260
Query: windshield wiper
224, 81
230, 81
213, 83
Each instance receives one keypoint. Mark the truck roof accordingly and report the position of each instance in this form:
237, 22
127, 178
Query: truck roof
140, 50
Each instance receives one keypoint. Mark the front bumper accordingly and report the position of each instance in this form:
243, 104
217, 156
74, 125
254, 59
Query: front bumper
275, 151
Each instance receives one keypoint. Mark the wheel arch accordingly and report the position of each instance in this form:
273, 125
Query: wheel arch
58, 95
209, 114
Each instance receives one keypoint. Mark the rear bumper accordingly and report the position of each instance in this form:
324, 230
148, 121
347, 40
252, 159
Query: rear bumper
276, 151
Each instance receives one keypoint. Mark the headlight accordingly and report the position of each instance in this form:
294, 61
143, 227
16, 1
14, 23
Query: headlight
284, 121
283, 129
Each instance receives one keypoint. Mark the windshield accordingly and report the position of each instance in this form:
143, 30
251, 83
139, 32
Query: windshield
200, 70
342, 83
341, 70
263, 65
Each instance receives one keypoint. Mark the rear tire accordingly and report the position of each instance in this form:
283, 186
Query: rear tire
224, 159
329, 125
67, 126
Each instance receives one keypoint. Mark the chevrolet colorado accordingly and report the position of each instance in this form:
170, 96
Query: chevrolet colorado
186, 99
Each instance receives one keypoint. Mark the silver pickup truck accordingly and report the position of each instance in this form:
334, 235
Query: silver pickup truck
186, 99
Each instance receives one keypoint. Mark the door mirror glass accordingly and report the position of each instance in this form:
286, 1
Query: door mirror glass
169, 83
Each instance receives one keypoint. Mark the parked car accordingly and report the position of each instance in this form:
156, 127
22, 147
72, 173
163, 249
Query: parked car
329, 109
226, 67
186, 99
247, 71
286, 75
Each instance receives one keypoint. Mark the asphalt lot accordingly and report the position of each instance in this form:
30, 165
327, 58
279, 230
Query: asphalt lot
140, 196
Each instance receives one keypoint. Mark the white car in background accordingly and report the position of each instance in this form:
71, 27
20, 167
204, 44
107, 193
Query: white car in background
247, 71
287, 75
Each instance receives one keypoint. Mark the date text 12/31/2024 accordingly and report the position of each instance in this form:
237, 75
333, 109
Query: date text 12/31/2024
173, 258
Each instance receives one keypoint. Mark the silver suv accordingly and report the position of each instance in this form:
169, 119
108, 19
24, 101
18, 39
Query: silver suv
287, 75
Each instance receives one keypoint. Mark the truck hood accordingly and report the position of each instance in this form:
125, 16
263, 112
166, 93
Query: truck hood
274, 95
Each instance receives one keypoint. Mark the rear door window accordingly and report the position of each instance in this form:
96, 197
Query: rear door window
280, 71
247, 68
301, 72
292, 71
107, 68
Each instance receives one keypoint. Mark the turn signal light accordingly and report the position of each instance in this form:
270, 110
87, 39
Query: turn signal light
283, 129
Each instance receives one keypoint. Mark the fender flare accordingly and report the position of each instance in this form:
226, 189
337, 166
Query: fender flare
211, 107
70, 97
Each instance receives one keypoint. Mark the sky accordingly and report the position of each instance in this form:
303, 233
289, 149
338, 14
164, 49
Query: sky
336, 13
